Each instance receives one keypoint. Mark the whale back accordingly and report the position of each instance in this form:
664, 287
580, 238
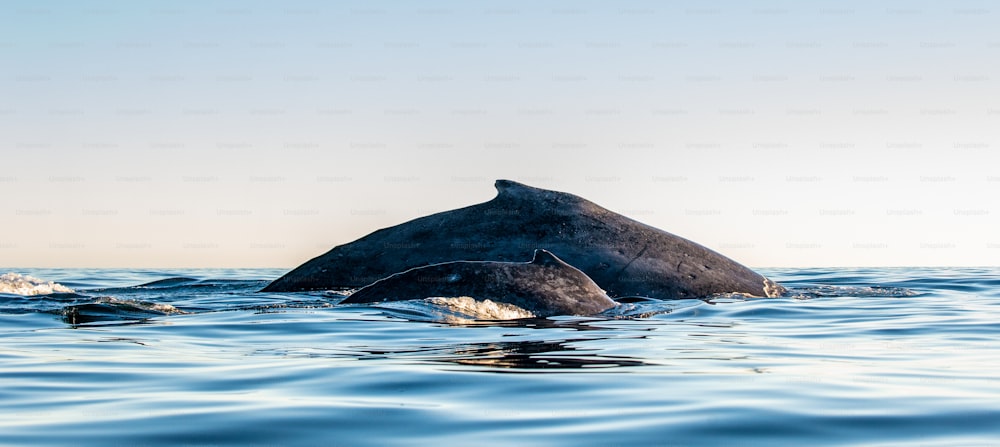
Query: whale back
544, 286
623, 256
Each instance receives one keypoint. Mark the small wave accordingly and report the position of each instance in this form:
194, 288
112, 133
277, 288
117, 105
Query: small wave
169, 282
464, 310
851, 291
116, 309
454, 310
145, 305
464, 307
28, 285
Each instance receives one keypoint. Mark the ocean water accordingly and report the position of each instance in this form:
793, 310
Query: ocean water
895, 356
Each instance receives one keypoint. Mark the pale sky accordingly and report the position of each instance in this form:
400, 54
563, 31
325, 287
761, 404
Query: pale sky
261, 134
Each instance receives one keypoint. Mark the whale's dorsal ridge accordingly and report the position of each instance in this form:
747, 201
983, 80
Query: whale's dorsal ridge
502, 184
510, 188
545, 257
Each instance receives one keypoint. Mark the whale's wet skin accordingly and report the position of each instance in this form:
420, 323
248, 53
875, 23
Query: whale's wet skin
544, 287
623, 256
199, 357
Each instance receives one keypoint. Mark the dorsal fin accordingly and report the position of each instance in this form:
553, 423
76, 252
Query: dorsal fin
509, 190
544, 257
510, 187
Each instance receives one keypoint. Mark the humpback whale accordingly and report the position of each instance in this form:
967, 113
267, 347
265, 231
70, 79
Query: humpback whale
545, 286
623, 256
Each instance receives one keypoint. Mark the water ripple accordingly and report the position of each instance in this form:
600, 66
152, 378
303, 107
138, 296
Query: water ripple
850, 356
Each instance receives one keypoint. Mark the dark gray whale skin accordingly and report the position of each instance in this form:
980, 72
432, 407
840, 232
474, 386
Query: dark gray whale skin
623, 256
545, 286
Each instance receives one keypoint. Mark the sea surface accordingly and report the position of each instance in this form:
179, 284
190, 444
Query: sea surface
872, 356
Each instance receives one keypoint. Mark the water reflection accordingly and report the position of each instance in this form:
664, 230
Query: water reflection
506, 356
533, 355
576, 324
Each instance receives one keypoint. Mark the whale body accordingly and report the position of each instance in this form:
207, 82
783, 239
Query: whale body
624, 257
545, 286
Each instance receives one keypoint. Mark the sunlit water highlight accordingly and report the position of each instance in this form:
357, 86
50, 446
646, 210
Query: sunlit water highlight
197, 357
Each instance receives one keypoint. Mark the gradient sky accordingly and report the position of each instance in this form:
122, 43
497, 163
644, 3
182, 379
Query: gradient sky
261, 134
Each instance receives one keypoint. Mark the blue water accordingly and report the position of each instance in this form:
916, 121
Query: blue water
851, 356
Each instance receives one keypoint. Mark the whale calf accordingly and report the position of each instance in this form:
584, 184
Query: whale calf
545, 286
624, 257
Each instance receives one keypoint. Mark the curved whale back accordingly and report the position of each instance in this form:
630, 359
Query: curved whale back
623, 256
545, 286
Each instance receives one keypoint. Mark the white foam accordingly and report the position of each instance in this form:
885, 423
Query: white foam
771, 289
28, 285
480, 310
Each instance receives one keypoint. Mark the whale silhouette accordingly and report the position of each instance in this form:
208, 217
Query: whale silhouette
545, 286
624, 257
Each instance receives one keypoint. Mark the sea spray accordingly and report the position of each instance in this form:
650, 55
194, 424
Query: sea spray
18, 284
